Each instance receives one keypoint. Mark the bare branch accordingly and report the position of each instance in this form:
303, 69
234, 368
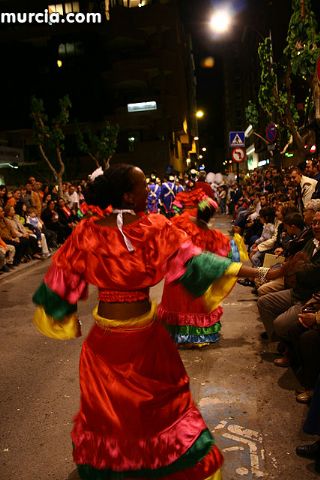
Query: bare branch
94, 158
59, 158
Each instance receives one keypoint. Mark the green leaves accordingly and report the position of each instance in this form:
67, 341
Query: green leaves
279, 80
101, 144
303, 39
252, 114
46, 132
50, 135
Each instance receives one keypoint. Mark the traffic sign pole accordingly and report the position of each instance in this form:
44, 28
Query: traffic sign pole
238, 155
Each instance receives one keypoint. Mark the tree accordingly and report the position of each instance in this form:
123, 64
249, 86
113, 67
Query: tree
50, 136
100, 145
280, 81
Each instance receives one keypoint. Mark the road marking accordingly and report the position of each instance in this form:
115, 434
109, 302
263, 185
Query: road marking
232, 449
254, 458
242, 471
245, 432
246, 440
220, 425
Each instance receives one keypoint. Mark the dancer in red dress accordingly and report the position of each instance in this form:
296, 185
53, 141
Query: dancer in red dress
190, 320
137, 418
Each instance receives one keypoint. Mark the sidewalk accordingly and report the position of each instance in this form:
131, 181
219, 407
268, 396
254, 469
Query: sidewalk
22, 267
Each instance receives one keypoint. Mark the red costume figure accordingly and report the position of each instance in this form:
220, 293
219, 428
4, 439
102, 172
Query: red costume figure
192, 321
137, 418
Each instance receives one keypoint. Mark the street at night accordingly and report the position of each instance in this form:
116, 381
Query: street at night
247, 402
160, 192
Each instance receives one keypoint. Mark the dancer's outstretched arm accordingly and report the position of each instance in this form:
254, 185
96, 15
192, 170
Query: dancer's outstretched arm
268, 273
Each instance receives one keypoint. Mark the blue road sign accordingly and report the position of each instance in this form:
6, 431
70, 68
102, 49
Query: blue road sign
271, 132
236, 139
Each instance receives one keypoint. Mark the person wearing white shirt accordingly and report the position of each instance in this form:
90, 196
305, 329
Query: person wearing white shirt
72, 198
305, 186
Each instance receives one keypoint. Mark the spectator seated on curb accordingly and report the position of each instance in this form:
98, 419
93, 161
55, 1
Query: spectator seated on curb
36, 225
261, 245
7, 253
24, 234
8, 234
52, 222
287, 247
278, 310
303, 347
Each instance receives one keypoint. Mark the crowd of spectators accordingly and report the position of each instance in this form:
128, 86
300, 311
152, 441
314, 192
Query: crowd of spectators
35, 220
279, 215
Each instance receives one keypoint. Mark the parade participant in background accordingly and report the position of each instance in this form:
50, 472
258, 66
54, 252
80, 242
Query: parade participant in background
201, 183
153, 195
167, 196
189, 319
137, 418
178, 183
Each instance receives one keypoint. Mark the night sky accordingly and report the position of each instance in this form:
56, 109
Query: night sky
259, 15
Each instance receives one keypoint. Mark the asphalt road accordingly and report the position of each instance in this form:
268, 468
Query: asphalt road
247, 402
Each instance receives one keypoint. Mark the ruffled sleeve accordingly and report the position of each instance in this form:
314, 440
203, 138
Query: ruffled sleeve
57, 296
203, 273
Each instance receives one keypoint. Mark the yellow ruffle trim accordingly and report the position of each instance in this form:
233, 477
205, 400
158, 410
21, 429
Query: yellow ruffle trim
241, 247
216, 476
134, 322
59, 330
219, 289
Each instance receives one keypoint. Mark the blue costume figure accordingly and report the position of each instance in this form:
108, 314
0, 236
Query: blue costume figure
153, 196
178, 187
168, 193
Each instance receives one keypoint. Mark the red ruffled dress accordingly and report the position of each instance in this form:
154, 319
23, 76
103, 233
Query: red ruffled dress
137, 418
189, 319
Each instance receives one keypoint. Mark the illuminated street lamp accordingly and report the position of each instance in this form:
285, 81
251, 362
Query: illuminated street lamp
220, 21
204, 149
199, 113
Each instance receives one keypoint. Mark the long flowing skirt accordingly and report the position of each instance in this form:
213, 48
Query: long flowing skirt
187, 318
137, 418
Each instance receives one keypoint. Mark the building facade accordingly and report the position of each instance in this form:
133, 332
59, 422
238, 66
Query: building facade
134, 68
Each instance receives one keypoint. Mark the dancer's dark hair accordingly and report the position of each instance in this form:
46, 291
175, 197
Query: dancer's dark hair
206, 210
109, 188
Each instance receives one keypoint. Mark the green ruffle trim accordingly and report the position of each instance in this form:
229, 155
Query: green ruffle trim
195, 454
53, 305
202, 271
191, 330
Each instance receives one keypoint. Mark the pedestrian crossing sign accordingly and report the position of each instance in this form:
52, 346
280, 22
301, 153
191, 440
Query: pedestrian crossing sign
236, 139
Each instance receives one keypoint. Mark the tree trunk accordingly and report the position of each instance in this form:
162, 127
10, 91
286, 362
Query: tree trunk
106, 163
316, 96
59, 180
62, 169
46, 159
94, 158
